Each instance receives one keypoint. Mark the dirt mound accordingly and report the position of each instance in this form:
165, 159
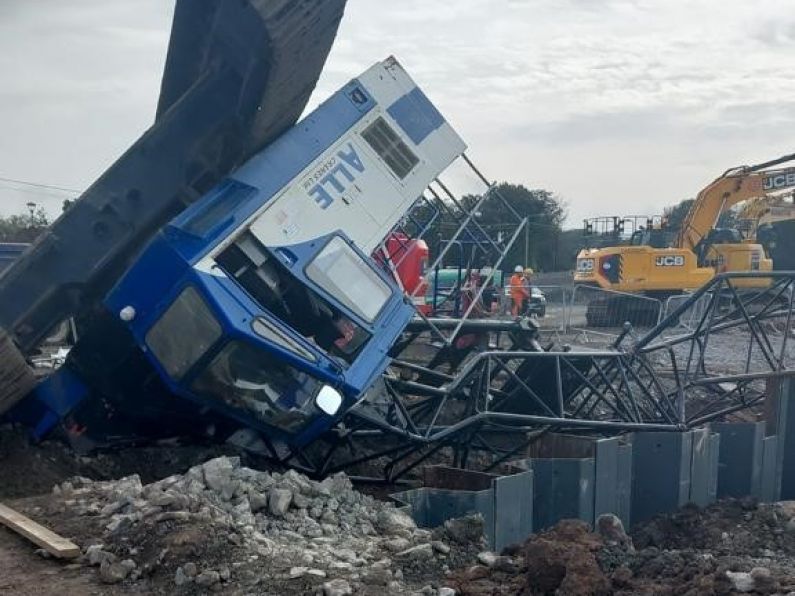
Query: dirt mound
732, 527
734, 547
563, 561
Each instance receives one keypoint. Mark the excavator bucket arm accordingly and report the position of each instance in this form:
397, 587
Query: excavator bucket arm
735, 186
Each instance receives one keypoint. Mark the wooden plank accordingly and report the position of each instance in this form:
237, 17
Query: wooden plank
57, 546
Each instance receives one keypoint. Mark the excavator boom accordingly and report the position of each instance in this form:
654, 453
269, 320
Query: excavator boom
735, 186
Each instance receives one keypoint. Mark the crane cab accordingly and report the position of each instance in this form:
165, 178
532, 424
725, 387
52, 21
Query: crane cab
261, 301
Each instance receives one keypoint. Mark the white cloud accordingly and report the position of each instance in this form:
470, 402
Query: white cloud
617, 105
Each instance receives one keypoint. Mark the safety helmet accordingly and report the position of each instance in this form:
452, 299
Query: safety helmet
518, 269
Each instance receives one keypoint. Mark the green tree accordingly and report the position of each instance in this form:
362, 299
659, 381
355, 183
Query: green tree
23, 227
570, 244
675, 215
537, 247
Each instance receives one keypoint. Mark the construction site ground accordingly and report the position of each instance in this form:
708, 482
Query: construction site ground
196, 520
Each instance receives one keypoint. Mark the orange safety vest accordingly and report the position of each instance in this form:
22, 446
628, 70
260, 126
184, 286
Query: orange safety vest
518, 289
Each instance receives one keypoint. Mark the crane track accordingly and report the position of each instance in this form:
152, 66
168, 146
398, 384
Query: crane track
16, 377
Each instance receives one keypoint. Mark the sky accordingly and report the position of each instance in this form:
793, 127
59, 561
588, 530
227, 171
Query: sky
618, 106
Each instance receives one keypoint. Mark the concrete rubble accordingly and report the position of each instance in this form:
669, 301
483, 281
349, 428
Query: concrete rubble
264, 531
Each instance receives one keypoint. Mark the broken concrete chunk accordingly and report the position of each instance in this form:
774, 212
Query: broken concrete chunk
465, 530
180, 579
95, 555
279, 501
113, 573
301, 501
128, 488
218, 473
397, 544
611, 529
208, 578
225, 573
440, 547
742, 582
391, 521
337, 587
257, 502
377, 576
338, 486
173, 516
423, 552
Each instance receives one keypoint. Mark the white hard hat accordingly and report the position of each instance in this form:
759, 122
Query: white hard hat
518, 269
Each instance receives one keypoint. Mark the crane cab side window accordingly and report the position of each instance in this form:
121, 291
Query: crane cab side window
276, 290
248, 378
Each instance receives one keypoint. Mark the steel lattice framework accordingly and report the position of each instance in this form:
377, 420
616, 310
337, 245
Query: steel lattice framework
498, 401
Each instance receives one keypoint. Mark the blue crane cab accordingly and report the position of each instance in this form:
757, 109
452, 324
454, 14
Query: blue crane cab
261, 301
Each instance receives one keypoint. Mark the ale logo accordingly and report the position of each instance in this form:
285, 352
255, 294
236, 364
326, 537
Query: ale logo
332, 178
670, 261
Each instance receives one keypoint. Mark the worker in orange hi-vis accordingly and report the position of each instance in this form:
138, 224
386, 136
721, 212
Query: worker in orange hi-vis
519, 291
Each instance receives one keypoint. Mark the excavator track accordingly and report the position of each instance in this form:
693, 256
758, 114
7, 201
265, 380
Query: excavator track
16, 377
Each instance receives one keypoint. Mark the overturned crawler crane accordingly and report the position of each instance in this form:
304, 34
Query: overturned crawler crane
259, 304
261, 300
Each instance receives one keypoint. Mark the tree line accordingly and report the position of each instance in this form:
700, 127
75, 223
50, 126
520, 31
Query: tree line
544, 246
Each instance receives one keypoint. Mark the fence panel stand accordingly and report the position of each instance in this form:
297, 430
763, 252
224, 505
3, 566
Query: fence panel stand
593, 310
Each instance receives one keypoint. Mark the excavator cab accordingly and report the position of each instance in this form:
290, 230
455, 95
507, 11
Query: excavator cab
654, 237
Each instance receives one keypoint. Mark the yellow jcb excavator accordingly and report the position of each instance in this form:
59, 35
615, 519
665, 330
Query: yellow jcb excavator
699, 252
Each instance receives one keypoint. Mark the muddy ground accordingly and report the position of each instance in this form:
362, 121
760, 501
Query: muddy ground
29, 470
